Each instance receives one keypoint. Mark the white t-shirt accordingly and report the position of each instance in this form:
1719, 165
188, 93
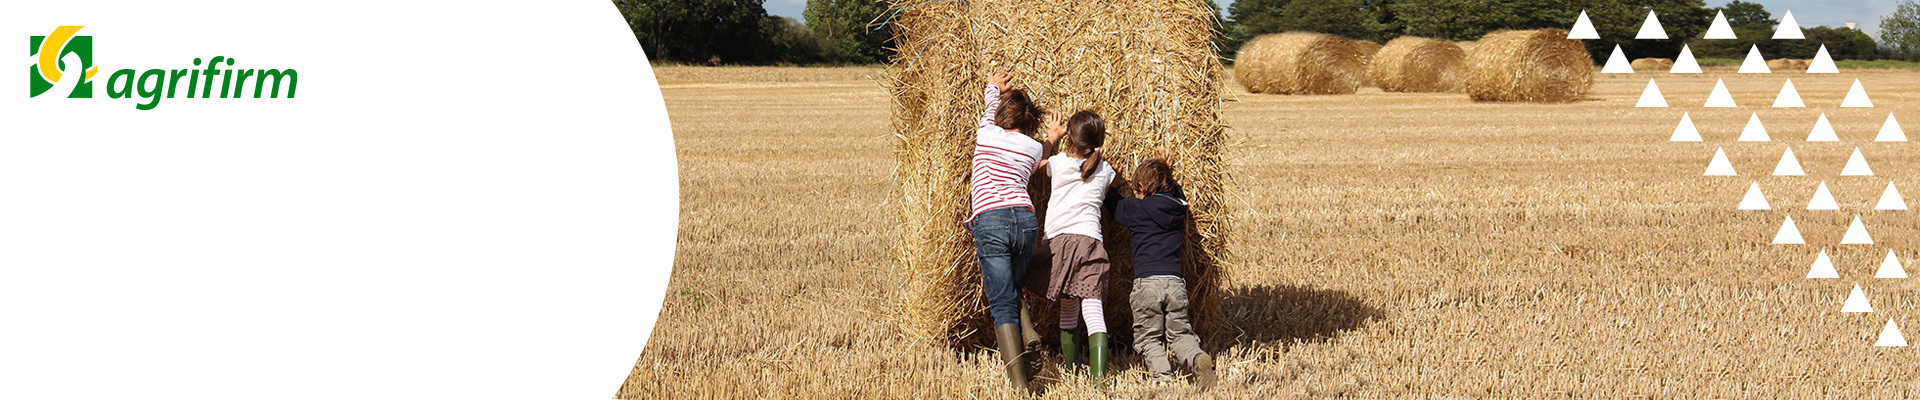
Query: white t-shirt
1075, 203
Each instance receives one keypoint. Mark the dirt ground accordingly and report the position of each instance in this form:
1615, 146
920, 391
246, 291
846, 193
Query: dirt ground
1394, 245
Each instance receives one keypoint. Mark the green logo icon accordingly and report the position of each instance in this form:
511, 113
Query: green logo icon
54, 57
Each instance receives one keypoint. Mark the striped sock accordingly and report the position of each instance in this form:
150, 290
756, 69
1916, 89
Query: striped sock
1090, 310
1069, 317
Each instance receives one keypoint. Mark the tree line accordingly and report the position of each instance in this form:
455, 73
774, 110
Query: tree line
853, 32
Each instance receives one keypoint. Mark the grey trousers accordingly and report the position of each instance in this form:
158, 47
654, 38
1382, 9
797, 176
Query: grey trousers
1160, 321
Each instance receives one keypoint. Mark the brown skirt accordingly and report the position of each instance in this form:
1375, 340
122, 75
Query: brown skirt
1076, 266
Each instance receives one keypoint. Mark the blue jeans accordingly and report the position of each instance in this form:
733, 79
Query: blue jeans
1004, 239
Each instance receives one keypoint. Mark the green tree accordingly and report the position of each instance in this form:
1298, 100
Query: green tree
699, 31
1900, 31
842, 27
792, 42
1744, 14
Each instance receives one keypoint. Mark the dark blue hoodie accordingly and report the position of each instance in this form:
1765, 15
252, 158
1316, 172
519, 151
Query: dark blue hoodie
1158, 223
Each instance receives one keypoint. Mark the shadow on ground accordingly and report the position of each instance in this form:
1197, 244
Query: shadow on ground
1286, 314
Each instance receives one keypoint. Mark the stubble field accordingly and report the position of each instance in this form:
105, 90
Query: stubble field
1391, 245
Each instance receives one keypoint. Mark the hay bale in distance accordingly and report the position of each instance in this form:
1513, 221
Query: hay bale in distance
1300, 63
1538, 66
1779, 65
1149, 67
1653, 64
1416, 64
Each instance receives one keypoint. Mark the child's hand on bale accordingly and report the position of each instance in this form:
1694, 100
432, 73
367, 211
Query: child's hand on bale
1056, 128
1000, 78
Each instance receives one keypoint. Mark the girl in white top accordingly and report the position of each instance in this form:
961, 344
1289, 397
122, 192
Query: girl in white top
1078, 259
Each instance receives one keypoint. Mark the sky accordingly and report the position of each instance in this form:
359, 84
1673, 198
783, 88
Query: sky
1808, 12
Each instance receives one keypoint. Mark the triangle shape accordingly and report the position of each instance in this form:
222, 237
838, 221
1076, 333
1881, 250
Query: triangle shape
1822, 63
1583, 29
1890, 336
1823, 131
1822, 199
1889, 132
1856, 302
1891, 200
1789, 97
1856, 165
1789, 29
1891, 268
1685, 132
1617, 63
1650, 98
1720, 97
1789, 165
1857, 97
1788, 233
1651, 29
1720, 166
1822, 268
1755, 64
1755, 131
1720, 29
1685, 64
1856, 233
1754, 200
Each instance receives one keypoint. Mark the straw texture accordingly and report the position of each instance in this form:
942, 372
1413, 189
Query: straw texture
1301, 63
1415, 64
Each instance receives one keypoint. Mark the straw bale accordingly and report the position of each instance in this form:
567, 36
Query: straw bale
1301, 63
1653, 64
1148, 66
1539, 66
1415, 64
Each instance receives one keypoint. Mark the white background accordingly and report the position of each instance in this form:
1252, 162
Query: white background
466, 200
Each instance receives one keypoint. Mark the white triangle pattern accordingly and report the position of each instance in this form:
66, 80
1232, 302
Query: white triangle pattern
1822, 268
1856, 233
1856, 302
1857, 97
1788, 233
1583, 29
1822, 199
1685, 132
1789, 29
1789, 97
1823, 131
1789, 165
1720, 166
1755, 64
1685, 64
1822, 63
1891, 268
1651, 98
1891, 199
1720, 29
1617, 63
1856, 165
1720, 97
1890, 131
1755, 131
1651, 29
1890, 336
1754, 200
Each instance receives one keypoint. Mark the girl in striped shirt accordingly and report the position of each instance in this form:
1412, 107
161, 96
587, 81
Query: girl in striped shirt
1003, 224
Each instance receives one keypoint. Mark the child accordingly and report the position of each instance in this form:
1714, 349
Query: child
1078, 259
1157, 216
1003, 225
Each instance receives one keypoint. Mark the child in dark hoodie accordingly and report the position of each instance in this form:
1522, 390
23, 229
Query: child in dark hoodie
1157, 217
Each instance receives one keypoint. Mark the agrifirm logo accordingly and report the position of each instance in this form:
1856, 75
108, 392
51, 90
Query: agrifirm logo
57, 54
59, 59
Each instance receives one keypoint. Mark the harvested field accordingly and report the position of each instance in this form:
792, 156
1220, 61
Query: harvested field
1396, 246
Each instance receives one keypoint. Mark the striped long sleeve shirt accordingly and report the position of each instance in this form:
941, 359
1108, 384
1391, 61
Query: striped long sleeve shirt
1003, 161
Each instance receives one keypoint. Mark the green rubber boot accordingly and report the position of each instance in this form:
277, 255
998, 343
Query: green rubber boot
1069, 350
1097, 359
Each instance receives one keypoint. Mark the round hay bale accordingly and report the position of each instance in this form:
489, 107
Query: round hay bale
1416, 64
1300, 63
1653, 64
1536, 66
1782, 65
1367, 50
1148, 67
